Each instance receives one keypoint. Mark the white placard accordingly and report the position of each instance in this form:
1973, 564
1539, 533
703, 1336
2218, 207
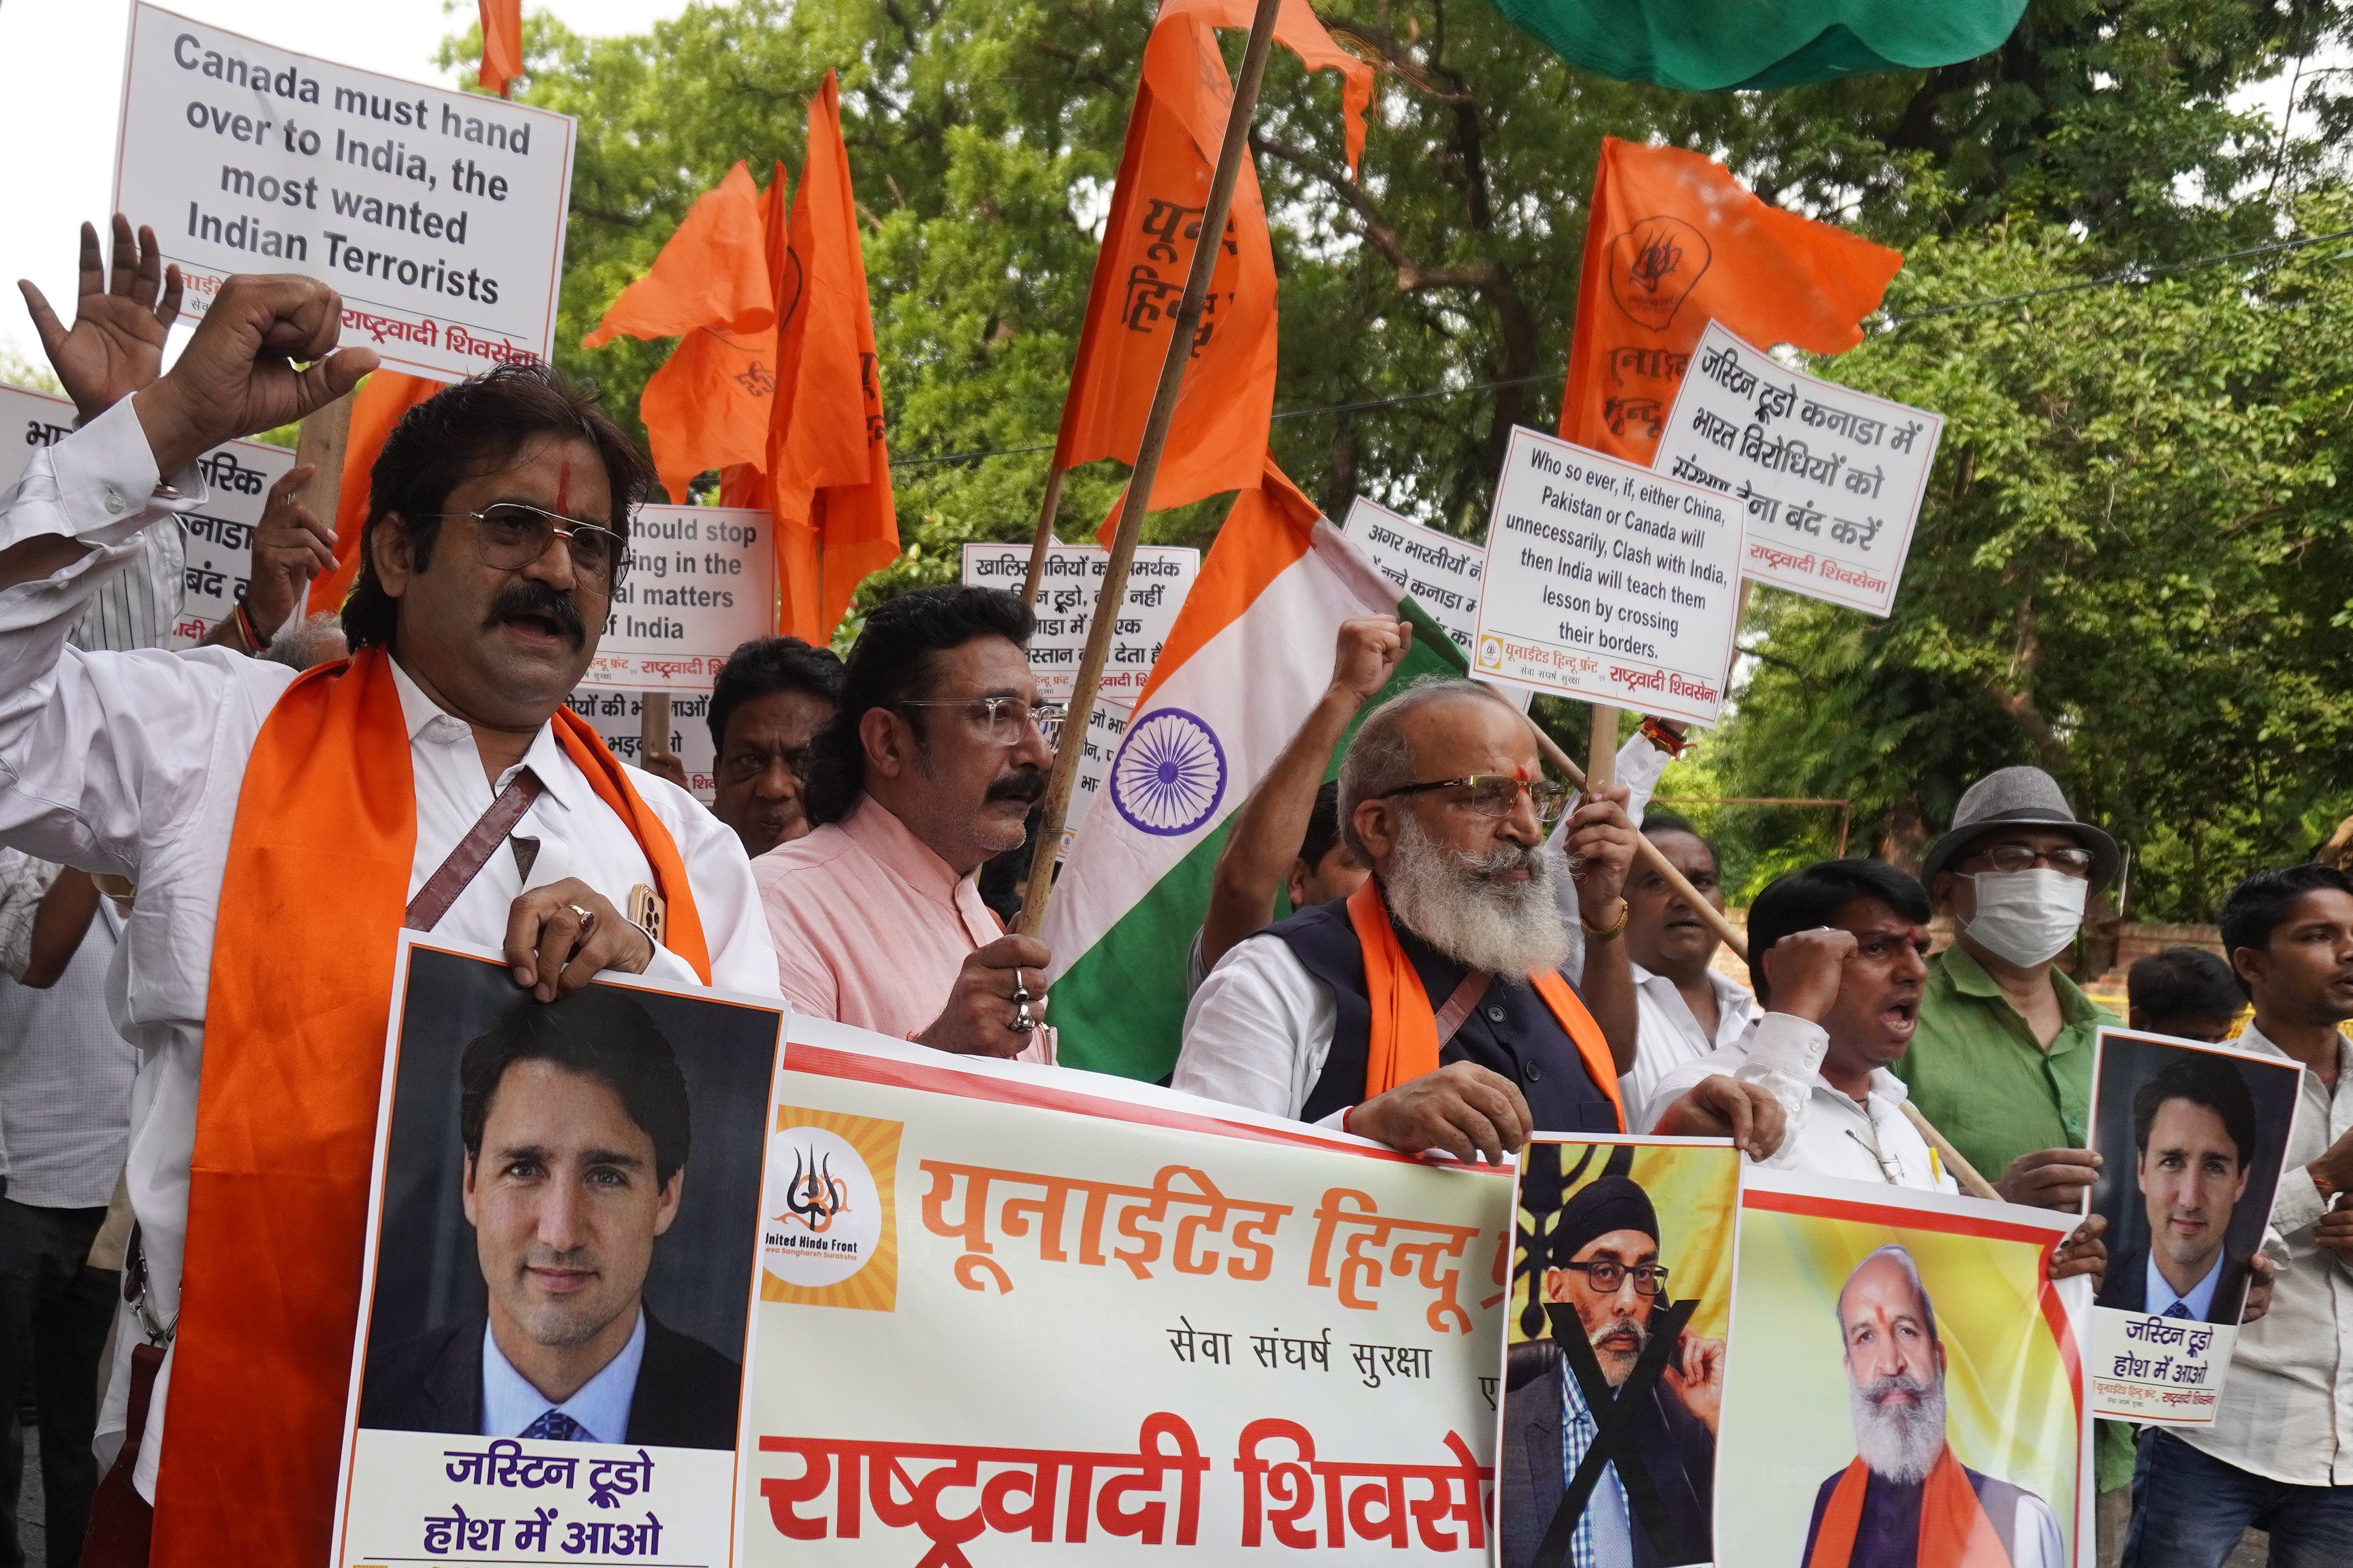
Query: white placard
1107, 724
1831, 478
1157, 584
1608, 582
1440, 572
437, 216
219, 538
703, 579
615, 716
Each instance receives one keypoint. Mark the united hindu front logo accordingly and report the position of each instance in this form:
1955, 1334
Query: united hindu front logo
1653, 266
1169, 772
1491, 652
828, 1229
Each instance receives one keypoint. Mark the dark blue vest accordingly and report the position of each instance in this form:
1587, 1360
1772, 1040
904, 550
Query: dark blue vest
1511, 1031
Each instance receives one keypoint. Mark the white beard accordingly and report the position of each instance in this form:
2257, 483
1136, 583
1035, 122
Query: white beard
1901, 1443
1465, 905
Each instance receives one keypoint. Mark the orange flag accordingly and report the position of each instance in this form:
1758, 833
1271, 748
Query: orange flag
1217, 439
502, 44
1673, 241
711, 403
377, 407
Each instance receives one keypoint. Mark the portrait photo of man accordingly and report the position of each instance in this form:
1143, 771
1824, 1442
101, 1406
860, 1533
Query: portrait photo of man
1617, 1334
576, 1124
1906, 1498
2194, 1140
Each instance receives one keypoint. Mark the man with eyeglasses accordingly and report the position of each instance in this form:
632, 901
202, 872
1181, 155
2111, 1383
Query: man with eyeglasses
1428, 1010
928, 768
282, 828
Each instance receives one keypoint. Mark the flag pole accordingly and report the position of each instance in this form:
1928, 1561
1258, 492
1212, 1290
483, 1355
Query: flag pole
1147, 468
1976, 1185
321, 441
1044, 538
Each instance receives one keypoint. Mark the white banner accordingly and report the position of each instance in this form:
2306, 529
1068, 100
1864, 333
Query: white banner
702, 581
219, 539
1157, 582
618, 717
437, 216
1608, 582
1830, 477
1440, 572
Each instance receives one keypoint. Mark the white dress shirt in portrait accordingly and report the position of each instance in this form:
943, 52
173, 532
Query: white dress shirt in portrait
601, 1404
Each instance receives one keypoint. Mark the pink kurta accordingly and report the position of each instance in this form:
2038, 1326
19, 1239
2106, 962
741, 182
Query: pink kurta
871, 926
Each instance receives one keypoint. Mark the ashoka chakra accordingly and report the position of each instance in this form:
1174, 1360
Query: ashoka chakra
1169, 773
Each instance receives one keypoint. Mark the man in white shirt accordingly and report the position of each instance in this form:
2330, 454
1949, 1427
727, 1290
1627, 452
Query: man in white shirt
134, 765
1684, 1010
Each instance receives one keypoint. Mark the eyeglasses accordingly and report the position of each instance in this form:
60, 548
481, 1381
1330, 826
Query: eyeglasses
1495, 794
2013, 857
1606, 1274
1001, 717
510, 536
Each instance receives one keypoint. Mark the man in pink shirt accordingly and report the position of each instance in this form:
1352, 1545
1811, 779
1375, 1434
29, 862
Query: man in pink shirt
927, 769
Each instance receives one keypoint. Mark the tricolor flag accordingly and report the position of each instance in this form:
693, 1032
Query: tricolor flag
1246, 661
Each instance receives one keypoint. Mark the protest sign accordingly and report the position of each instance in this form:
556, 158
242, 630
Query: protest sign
1832, 491
2191, 1138
1606, 581
1106, 725
1007, 1306
1640, 1355
489, 1154
437, 216
702, 581
217, 541
616, 717
1064, 604
1925, 1368
1440, 571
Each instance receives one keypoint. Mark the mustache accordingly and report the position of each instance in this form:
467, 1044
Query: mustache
1023, 783
1877, 1393
526, 597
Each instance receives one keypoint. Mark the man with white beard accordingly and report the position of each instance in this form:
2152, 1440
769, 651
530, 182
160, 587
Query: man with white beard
1906, 1500
1428, 1011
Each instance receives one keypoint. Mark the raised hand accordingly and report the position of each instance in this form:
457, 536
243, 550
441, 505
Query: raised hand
238, 375
115, 345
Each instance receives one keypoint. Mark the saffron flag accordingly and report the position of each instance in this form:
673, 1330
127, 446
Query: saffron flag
1708, 46
1173, 136
1673, 241
377, 407
1239, 674
711, 404
502, 44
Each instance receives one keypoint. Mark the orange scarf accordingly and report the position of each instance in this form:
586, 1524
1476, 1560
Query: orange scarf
1404, 1042
312, 899
1953, 1530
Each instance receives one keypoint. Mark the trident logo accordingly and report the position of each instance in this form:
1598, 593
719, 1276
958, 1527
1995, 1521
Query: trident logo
813, 1195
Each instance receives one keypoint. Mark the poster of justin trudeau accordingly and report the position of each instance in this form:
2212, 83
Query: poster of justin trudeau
563, 1239
2191, 1138
1615, 1353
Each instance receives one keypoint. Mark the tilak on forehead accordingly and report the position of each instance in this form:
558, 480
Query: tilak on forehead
563, 487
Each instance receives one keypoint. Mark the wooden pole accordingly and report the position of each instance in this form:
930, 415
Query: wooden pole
1601, 751
1113, 593
1044, 538
653, 725
321, 441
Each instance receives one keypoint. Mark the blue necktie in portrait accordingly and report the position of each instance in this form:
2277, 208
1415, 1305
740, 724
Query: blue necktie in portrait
2179, 1309
555, 1427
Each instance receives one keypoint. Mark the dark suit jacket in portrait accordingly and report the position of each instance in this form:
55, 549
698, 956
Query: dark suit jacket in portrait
2126, 1289
1673, 1446
685, 1396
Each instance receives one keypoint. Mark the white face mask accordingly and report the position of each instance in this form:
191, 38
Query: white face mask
2027, 917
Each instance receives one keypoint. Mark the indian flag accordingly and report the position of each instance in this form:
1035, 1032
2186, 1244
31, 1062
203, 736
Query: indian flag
1249, 655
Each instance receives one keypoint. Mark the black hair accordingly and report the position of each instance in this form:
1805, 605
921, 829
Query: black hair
2203, 1079
892, 661
2183, 982
770, 664
464, 431
2263, 903
1813, 896
1658, 819
1323, 825
599, 1031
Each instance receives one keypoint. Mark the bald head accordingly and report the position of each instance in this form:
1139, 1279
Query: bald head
1438, 728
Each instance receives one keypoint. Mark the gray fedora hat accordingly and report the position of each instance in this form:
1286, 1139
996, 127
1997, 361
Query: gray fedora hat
2017, 795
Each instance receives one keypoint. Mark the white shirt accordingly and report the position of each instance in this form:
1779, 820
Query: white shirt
132, 762
601, 1404
65, 1078
2286, 1410
1829, 1134
1668, 1034
2159, 1297
1256, 1031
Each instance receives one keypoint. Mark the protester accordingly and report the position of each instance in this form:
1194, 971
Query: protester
929, 767
2185, 991
1686, 1010
770, 699
2279, 1455
1383, 1015
232, 790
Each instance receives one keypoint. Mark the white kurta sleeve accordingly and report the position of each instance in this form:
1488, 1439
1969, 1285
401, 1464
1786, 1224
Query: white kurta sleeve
1258, 1031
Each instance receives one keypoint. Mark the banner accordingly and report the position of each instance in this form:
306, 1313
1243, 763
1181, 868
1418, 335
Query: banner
1608, 582
617, 718
1440, 571
702, 581
1157, 582
2191, 1139
218, 540
1620, 1324
437, 216
549, 1363
1832, 490
1005, 1307
1925, 1372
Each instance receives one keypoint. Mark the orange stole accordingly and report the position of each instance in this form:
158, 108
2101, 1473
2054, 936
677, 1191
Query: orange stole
311, 901
1953, 1530
1404, 1040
